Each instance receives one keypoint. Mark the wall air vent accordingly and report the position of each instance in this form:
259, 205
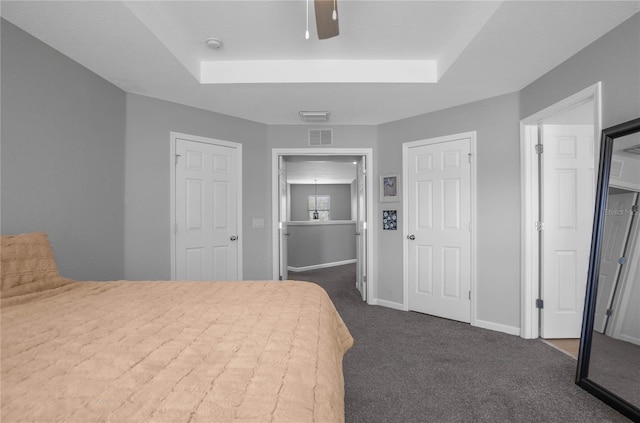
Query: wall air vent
616, 168
314, 116
320, 137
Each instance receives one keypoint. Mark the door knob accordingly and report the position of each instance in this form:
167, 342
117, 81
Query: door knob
287, 234
411, 237
357, 233
234, 238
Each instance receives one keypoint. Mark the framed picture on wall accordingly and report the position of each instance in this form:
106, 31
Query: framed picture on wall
389, 188
389, 220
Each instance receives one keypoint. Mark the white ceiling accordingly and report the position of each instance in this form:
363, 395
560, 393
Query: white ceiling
482, 49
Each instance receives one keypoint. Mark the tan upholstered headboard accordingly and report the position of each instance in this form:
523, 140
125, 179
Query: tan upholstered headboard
28, 265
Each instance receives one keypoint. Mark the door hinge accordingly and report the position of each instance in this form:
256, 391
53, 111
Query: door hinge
364, 279
540, 226
634, 210
539, 303
539, 148
177, 157
469, 158
469, 295
609, 312
622, 260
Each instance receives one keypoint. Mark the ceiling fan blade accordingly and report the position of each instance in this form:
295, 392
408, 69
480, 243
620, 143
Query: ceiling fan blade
327, 27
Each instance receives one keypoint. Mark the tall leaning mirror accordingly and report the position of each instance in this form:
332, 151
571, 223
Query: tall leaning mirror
609, 357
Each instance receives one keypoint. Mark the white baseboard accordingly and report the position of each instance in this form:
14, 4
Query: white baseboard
511, 330
388, 304
320, 266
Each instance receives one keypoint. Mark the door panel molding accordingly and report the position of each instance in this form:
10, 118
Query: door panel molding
193, 161
568, 183
426, 219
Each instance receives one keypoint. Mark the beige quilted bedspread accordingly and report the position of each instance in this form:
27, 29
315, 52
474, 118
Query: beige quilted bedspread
174, 352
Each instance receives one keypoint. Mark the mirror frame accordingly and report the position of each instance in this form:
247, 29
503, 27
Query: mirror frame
582, 375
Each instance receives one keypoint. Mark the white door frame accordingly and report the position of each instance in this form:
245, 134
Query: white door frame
405, 207
174, 136
368, 153
530, 246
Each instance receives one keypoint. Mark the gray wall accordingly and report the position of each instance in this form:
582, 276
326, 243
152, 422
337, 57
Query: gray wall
613, 59
69, 150
320, 243
498, 201
340, 200
63, 145
344, 136
147, 214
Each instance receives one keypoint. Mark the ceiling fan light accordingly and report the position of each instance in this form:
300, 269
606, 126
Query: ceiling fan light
306, 33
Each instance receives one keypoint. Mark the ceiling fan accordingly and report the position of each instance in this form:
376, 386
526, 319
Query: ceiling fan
326, 18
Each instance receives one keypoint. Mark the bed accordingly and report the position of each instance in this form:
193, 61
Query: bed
126, 351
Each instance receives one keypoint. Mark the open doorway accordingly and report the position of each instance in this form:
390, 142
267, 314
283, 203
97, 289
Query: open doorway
559, 155
321, 212
321, 206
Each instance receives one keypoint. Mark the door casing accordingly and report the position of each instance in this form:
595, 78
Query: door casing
530, 245
174, 136
368, 153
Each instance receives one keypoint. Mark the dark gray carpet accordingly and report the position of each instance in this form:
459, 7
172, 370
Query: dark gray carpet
615, 364
411, 367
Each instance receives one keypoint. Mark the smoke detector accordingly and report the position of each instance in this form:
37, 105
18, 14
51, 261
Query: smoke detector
213, 43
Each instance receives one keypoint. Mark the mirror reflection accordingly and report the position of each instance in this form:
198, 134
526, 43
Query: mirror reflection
615, 347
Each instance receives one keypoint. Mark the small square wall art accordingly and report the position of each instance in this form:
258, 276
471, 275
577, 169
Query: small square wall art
390, 220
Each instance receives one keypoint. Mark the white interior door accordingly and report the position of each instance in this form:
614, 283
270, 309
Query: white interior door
361, 228
567, 212
206, 211
624, 323
439, 228
617, 224
283, 217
